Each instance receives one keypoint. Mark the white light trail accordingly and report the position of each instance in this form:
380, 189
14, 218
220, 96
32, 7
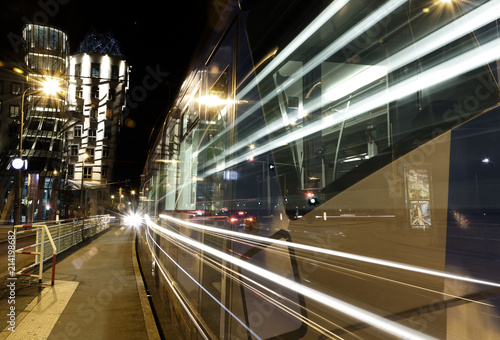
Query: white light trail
174, 290
339, 305
335, 253
447, 70
458, 28
265, 292
334, 47
312, 28
199, 285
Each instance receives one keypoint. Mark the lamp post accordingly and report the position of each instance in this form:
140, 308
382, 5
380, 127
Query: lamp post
49, 87
84, 157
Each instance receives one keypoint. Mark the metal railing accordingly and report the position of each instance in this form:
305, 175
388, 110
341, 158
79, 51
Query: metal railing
61, 236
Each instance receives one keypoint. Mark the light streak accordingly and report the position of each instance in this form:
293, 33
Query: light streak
199, 285
335, 253
339, 305
312, 28
287, 51
464, 25
235, 276
170, 282
447, 70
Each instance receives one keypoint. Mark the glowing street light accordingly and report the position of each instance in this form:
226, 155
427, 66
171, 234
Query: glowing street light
49, 87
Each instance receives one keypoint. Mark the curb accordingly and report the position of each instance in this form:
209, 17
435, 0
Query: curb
149, 319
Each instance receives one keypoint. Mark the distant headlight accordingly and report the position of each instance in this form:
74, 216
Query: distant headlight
133, 220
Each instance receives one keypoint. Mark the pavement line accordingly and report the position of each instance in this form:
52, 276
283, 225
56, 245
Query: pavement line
42, 314
149, 319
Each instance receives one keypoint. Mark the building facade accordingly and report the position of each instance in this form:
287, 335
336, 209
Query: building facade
40, 141
81, 117
12, 86
98, 79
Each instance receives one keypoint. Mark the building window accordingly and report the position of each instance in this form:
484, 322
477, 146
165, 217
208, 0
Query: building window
114, 73
104, 171
93, 113
53, 39
105, 151
1, 86
79, 93
14, 110
40, 37
71, 170
95, 92
91, 153
111, 94
87, 172
78, 70
95, 70
73, 150
16, 88
77, 132
92, 135
107, 132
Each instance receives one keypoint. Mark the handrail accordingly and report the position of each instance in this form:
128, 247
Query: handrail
54, 253
40, 253
66, 235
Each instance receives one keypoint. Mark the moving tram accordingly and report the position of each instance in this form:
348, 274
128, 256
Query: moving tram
329, 170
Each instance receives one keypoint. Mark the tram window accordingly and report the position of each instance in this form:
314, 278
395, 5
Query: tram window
191, 113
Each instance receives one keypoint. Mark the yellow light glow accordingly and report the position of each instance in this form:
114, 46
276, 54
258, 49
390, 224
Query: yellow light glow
18, 70
446, 1
51, 86
213, 100
85, 156
426, 10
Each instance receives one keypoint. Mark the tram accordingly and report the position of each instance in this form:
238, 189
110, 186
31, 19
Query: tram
330, 170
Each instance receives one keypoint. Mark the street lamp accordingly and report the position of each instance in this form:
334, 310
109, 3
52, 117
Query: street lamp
49, 87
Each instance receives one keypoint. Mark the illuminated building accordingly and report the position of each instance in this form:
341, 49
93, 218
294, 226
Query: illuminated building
82, 116
45, 120
98, 78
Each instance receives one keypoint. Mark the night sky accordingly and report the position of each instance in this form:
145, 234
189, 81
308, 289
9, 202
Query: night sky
157, 36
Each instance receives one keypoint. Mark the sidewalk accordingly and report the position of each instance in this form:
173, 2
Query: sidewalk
98, 294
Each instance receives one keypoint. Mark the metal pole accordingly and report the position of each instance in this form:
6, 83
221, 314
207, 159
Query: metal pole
81, 185
20, 181
82, 198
